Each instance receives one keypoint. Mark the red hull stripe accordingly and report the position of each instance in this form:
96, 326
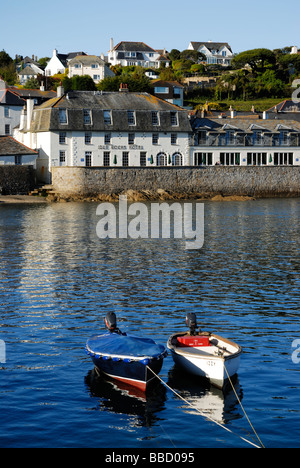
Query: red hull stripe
141, 385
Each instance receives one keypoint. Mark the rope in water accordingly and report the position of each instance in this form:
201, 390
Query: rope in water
207, 416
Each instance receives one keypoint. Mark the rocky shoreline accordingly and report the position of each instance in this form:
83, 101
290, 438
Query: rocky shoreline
158, 195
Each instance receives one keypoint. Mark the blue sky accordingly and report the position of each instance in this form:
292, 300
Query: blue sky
35, 27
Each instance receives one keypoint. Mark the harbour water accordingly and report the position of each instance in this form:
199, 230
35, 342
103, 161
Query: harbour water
58, 280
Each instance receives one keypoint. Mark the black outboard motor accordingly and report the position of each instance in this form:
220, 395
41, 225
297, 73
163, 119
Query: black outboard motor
191, 321
111, 323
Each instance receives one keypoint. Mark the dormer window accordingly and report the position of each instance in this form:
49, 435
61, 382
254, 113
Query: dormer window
131, 117
87, 117
174, 119
107, 117
155, 118
63, 116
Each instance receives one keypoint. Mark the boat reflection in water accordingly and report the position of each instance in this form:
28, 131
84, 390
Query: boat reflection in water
220, 405
120, 398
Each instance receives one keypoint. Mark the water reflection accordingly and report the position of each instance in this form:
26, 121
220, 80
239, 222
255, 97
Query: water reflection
204, 399
117, 397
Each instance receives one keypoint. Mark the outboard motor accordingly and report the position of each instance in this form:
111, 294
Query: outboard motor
191, 321
111, 321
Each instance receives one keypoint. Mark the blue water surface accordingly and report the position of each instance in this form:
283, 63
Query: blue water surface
57, 282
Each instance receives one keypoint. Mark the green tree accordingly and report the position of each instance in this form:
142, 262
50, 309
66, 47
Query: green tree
32, 83
257, 59
5, 59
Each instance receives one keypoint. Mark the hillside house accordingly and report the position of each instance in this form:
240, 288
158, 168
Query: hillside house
217, 53
90, 65
136, 54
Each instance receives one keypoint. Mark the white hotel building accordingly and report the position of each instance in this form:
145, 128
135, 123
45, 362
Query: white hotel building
122, 129
85, 129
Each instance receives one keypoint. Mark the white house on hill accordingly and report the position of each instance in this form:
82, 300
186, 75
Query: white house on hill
217, 53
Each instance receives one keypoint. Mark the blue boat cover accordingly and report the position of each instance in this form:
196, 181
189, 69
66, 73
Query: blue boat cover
124, 345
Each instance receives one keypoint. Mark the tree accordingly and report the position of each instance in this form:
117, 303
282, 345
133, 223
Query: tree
257, 59
174, 55
32, 83
192, 55
5, 59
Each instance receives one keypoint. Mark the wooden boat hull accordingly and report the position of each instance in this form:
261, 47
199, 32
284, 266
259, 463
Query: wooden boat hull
126, 358
134, 373
209, 362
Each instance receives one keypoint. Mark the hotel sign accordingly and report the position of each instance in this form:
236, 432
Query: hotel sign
120, 147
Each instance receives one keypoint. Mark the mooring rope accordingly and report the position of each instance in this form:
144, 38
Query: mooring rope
207, 416
240, 403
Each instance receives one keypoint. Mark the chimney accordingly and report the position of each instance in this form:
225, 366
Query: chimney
232, 113
265, 115
111, 43
42, 87
123, 88
23, 118
60, 91
30, 105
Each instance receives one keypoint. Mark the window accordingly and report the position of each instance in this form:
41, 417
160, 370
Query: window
256, 159
95, 65
107, 138
131, 138
62, 157
155, 118
106, 158
284, 138
96, 77
88, 158
63, 116
174, 119
161, 159
88, 138
177, 159
131, 117
204, 159
143, 157
77, 65
173, 138
283, 159
155, 139
161, 90
62, 138
125, 158
87, 117
18, 160
7, 129
107, 117
6, 112
230, 159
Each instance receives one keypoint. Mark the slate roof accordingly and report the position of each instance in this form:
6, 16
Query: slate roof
46, 116
9, 98
245, 125
211, 45
133, 47
86, 60
286, 106
10, 147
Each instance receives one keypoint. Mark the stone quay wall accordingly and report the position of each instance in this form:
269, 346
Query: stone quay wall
16, 180
189, 182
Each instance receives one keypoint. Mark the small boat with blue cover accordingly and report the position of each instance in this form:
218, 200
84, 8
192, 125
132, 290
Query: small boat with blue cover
124, 357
